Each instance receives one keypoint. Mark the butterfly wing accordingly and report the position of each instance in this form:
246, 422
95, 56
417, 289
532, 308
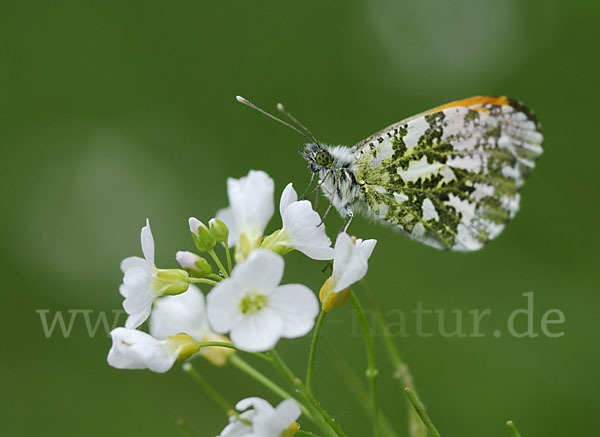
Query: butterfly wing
450, 177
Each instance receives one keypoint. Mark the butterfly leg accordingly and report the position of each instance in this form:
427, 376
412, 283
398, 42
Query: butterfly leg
349, 217
330, 203
312, 178
316, 189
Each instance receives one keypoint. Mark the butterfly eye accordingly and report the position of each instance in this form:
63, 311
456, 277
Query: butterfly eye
323, 158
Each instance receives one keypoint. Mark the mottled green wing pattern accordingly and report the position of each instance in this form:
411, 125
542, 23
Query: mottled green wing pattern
450, 177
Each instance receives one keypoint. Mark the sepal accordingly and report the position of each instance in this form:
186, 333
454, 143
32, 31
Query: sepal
170, 281
331, 299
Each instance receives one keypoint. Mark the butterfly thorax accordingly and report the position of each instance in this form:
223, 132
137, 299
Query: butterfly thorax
334, 164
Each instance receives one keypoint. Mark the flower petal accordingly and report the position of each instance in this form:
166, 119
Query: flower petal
297, 306
226, 216
139, 295
148, 243
194, 223
137, 278
342, 251
251, 202
288, 411
301, 223
278, 421
261, 271
132, 349
134, 261
136, 319
365, 247
354, 273
257, 332
183, 313
350, 260
186, 259
260, 405
236, 428
139, 289
223, 304
288, 197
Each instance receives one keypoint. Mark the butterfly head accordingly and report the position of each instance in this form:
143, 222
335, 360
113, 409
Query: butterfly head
317, 157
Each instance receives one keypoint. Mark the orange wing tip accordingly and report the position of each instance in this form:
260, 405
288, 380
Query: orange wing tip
477, 100
474, 102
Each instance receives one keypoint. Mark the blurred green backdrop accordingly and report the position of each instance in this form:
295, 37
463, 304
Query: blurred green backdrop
112, 112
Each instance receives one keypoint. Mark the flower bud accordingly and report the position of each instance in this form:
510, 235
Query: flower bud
219, 230
170, 281
195, 265
187, 345
202, 236
329, 298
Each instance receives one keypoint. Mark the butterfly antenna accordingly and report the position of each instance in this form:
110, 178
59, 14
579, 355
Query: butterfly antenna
282, 109
285, 123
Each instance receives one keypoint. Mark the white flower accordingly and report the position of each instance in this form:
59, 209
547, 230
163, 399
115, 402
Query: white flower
255, 309
186, 313
350, 265
350, 260
133, 349
265, 421
302, 229
143, 282
250, 209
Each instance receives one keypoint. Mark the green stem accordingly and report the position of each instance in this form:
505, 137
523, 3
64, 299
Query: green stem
215, 277
202, 281
330, 420
355, 385
513, 428
218, 262
228, 256
313, 350
372, 367
213, 394
421, 412
291, 379
305, 433
282, 368
263, 380
401, 370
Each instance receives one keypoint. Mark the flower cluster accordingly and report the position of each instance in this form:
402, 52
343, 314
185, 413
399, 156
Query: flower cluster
241, 307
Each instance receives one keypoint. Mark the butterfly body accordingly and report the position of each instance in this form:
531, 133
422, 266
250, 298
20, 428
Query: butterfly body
337, 175
449, 177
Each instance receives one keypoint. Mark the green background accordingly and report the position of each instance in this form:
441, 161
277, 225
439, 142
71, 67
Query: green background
111, 112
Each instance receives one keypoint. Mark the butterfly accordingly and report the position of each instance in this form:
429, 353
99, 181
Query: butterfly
448, 177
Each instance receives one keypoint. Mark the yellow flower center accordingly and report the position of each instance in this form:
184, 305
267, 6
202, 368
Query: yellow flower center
253, 302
